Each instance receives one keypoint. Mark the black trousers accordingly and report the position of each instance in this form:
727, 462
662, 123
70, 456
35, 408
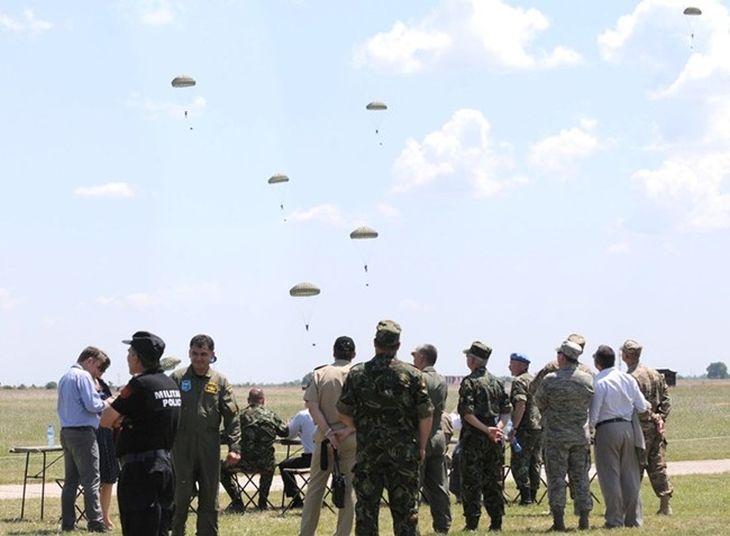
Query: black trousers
145, 493
296, 462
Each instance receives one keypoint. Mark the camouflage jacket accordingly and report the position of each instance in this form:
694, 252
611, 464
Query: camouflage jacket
654, 388
386, 399
259, 429
520, 391
552, 366
482, 395
564, 399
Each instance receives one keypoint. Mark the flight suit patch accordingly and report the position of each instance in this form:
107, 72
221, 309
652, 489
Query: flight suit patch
186, 385
211, 388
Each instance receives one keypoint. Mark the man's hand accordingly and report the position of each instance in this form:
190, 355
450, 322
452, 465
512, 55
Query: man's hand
232, 459
494, 433
660, 426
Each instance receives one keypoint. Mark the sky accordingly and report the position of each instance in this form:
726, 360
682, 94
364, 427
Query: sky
541, 169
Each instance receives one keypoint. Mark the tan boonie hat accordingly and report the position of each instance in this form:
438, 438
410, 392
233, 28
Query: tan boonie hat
570, 349
479, 349
631, 347
578, 339
387, 334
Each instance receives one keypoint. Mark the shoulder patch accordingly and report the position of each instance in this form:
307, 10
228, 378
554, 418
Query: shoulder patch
211, 388
126, 392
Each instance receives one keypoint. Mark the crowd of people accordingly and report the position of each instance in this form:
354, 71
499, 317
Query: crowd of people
379, 425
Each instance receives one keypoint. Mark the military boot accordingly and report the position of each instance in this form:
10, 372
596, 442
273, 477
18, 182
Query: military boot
558, 523
583, 523
526, 496
471, 523
495, 524
664, 508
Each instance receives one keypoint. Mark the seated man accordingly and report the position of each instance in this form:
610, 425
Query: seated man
259, 428
300, 426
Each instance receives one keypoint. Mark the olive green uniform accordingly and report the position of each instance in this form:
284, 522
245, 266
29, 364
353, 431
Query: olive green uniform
206, 402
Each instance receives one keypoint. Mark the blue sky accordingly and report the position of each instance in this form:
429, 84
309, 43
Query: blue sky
542, 169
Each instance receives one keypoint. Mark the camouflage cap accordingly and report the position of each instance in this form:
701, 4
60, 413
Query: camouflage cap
387, 334
479, 350
631, 347
307, 379
578, 339
570, 349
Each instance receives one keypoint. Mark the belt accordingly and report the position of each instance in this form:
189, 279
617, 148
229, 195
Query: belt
607, 421
143, 456
77, 428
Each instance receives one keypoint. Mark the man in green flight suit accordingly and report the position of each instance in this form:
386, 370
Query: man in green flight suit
207, 400
259, 428
386, 401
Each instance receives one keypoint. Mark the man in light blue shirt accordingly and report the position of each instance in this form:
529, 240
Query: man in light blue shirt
79, 406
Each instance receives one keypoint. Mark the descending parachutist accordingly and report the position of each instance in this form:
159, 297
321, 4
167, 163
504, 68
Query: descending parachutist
186, 114
306, 326
366, 268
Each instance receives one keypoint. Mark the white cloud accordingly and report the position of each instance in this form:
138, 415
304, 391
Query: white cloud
26, 23
462, 149
559, 153
655, 27
167, 297
157, 12
7, 301
325, 213
404, 49
489, 31
696, 185
110, 190
171, 109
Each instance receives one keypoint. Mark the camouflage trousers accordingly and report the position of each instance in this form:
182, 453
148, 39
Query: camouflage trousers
525, 465
481, 466
656, 463
401, 480
573, 461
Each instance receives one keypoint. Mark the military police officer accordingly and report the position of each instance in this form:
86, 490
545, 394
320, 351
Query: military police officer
148, 408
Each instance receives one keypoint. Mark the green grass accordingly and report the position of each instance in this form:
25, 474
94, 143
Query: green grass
697, 430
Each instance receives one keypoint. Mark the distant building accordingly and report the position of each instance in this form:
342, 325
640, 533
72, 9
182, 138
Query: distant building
670, 376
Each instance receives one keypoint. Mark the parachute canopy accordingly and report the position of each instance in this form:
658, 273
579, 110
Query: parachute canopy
304, 290
692, 11
376, 105
363, 233
183, 81
278, 178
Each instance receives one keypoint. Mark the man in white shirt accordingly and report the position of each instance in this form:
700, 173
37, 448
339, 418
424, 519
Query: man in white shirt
616, 397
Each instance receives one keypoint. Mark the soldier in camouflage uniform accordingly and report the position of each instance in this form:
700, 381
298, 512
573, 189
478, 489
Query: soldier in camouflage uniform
484, 408
564, 399
434, 479
259, 429
386, 401
526, 428
654, 388
207, 401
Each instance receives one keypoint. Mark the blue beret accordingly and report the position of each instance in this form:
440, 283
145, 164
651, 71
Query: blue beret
522, 358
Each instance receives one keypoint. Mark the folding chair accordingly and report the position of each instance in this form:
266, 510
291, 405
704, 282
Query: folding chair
80, 514
301, 480
244, 481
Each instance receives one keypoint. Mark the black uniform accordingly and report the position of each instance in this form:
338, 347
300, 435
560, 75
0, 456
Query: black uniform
150, 404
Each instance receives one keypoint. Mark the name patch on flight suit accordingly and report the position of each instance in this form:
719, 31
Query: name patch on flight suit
211, 388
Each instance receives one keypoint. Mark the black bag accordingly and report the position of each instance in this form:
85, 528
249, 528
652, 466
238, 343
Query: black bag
338, 483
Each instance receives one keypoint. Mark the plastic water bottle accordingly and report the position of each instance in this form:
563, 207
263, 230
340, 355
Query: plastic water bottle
515, 444
51, 436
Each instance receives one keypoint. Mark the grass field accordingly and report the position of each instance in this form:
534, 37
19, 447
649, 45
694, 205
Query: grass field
698, 429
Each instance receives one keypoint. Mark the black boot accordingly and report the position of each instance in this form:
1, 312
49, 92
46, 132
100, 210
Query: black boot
533, 494
495, 524
471, 523
526, 496
558, 523
583, 523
